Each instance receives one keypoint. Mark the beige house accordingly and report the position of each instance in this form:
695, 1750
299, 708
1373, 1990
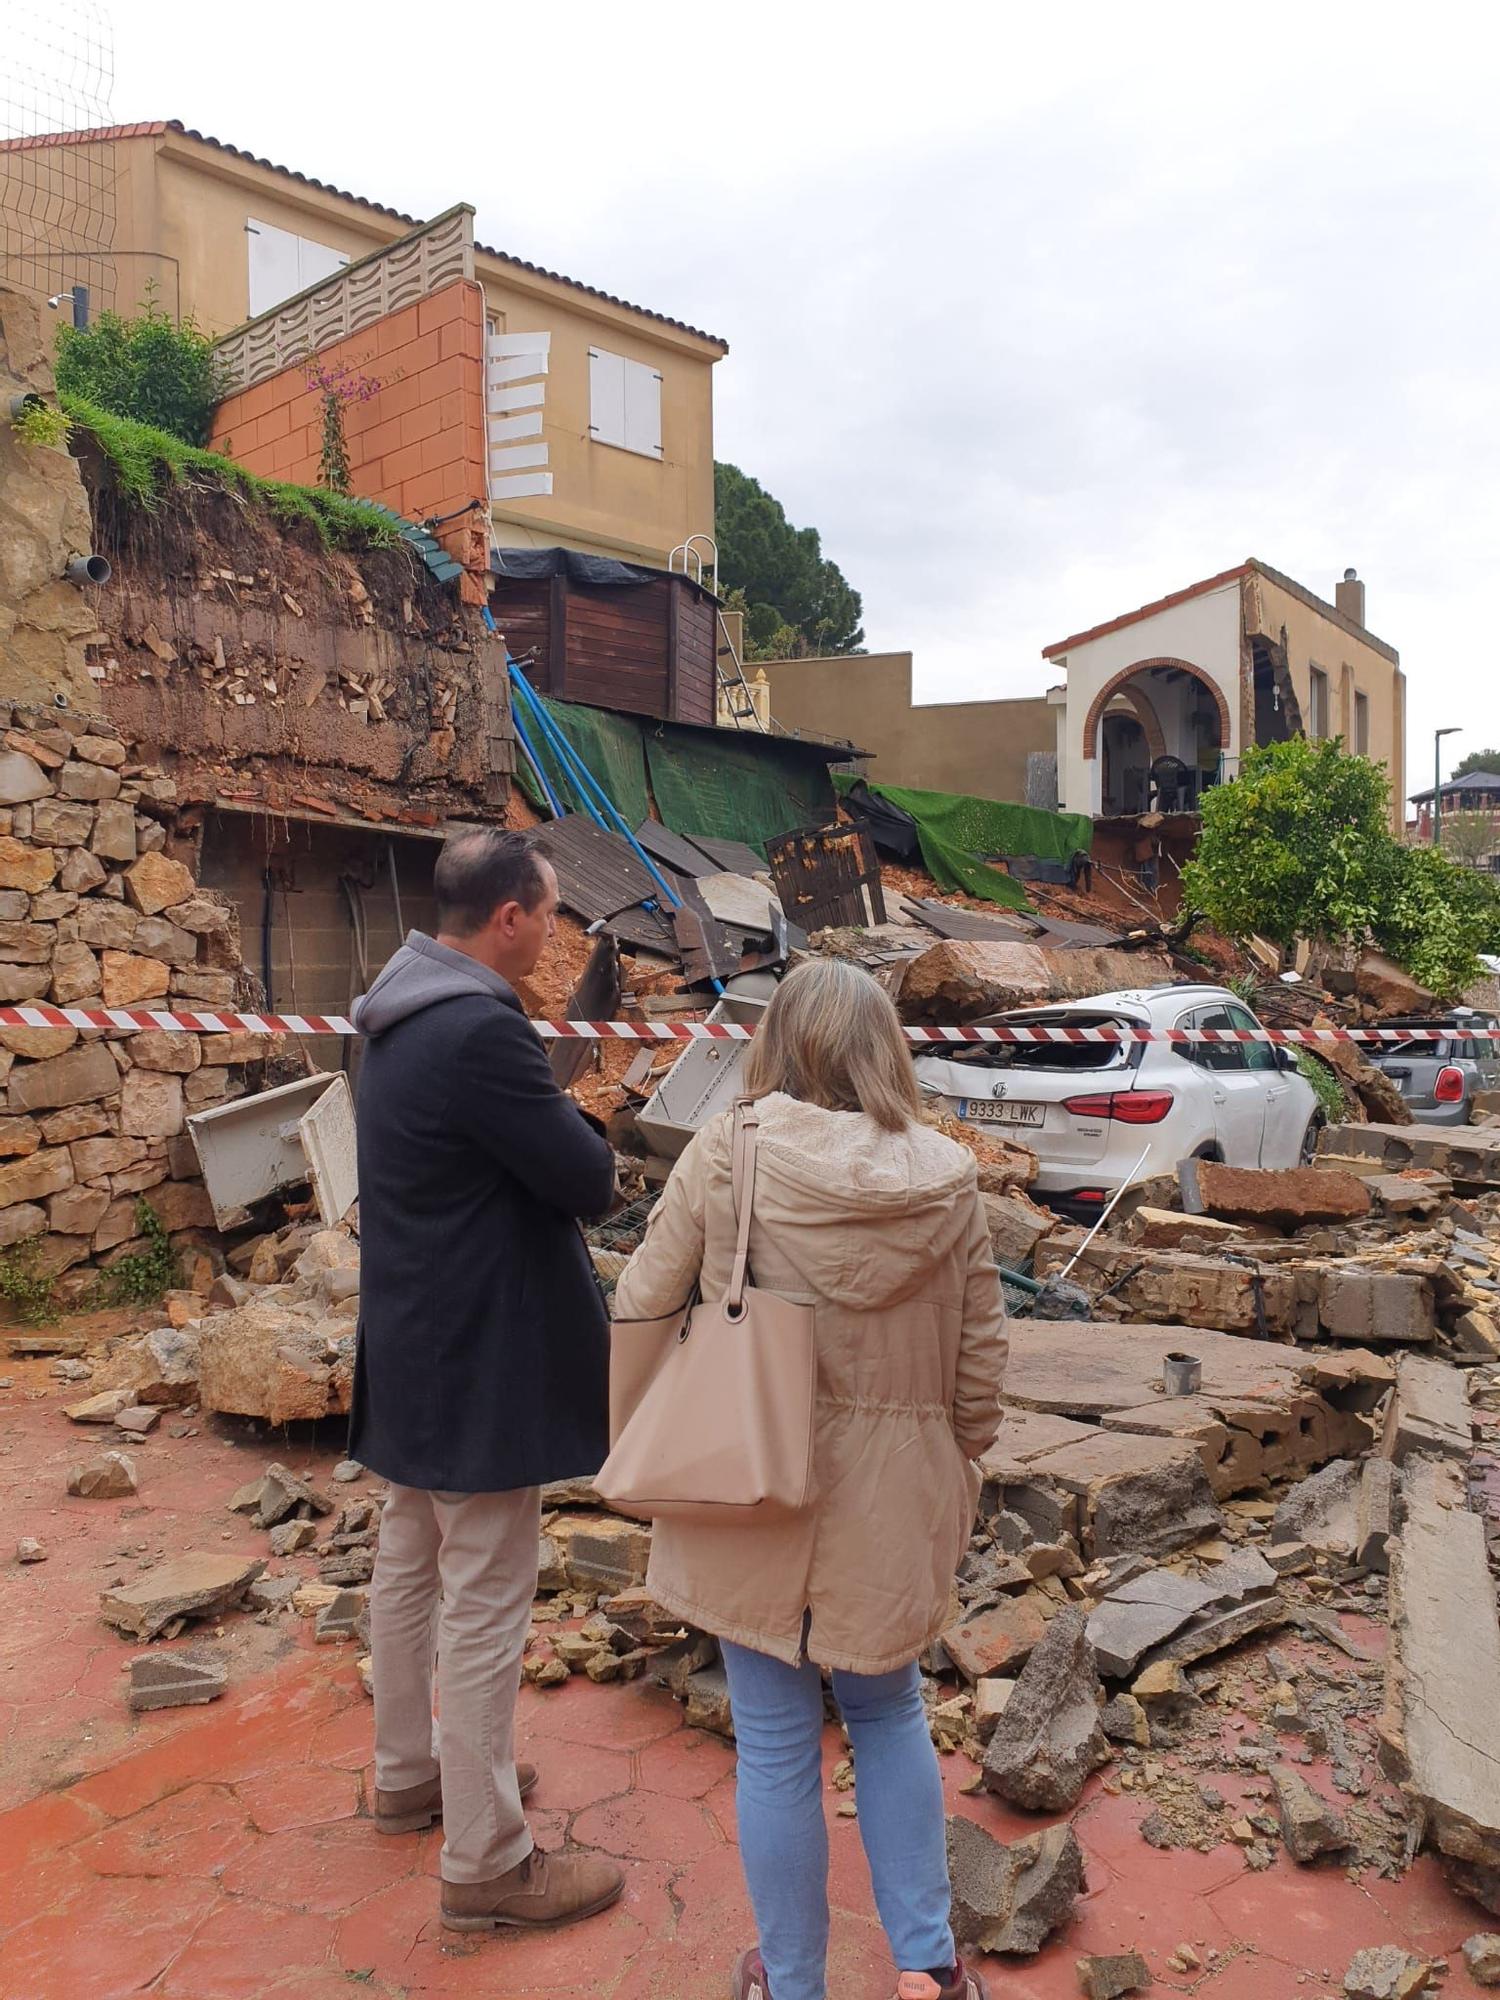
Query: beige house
1163, 702
600, 413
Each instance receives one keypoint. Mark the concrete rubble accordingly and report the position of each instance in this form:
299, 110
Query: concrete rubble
1386, 1972
175, 1680
1011, 1898
192, 1586
1047, 1740
1109, 1976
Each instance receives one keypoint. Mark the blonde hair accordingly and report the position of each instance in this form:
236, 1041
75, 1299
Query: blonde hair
832, 1037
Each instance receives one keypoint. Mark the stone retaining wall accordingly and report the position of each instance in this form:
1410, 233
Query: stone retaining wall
94, 910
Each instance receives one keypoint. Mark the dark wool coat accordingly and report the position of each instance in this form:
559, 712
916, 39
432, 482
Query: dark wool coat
482, 1361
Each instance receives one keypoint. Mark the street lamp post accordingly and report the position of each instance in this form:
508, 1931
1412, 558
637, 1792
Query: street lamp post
1437, 781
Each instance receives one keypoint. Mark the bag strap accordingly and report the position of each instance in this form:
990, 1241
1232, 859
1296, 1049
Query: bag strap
742, 1187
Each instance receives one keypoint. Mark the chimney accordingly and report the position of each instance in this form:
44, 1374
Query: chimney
1350, 597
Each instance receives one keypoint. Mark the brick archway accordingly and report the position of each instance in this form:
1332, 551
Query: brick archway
1117, 684
1144, 710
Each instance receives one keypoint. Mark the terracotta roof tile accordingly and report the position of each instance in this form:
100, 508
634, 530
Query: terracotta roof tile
100, 134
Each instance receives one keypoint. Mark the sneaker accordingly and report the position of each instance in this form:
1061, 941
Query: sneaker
965, 1985
544, 1891
749, 1982
418, 1806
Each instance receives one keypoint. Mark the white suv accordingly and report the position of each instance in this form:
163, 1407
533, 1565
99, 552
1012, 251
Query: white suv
1089, 1110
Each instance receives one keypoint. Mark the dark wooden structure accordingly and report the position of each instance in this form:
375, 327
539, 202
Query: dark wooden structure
643, 647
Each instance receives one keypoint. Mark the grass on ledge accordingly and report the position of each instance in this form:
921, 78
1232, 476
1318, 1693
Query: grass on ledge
146, 461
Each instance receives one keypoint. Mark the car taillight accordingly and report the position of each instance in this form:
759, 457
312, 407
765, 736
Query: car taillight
1125, 1107
1449, 1088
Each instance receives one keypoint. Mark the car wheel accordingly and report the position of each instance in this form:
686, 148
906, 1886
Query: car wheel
1309, 1151
1209, 1153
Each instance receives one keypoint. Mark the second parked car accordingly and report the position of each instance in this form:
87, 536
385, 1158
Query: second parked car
1438, 1072
1091, 1110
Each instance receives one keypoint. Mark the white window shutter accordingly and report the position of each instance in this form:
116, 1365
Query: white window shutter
274, 265
642, 409
606, 397
281, 264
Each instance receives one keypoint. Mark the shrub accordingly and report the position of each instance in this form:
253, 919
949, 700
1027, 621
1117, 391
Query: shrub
146, 369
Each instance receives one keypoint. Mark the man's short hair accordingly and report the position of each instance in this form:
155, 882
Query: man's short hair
479, 870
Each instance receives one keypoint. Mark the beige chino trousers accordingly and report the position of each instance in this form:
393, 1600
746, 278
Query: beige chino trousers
460, 1568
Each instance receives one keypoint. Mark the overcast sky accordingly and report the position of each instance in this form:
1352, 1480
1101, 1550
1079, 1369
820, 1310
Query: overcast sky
1035, 314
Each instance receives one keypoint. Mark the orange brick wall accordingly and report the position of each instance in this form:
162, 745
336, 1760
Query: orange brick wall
418, 445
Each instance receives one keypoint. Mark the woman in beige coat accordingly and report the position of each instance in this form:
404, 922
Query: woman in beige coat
875, 1219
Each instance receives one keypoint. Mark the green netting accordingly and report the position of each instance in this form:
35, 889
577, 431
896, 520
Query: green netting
736, 786
609, 745
724, 787
954, 830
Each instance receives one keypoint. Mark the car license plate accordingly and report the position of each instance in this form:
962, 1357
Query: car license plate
1000, 1111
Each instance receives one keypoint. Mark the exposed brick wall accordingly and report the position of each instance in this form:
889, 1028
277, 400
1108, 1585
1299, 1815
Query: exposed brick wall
418, 445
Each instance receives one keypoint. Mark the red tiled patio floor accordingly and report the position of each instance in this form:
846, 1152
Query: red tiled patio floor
223, 1853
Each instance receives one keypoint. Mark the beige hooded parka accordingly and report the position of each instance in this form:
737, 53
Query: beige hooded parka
885, 1235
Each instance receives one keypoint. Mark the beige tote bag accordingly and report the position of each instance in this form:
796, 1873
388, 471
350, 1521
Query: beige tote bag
714, 1403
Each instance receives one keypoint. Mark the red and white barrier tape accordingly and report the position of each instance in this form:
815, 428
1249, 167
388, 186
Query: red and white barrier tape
205, 1021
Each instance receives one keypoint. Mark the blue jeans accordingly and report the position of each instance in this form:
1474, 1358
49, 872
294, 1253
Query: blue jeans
778, 1723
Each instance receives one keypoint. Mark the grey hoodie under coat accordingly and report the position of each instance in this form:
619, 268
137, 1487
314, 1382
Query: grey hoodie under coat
483, 1344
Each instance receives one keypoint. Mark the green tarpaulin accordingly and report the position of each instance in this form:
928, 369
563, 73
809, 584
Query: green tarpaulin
955, 831
735, 785
722, 784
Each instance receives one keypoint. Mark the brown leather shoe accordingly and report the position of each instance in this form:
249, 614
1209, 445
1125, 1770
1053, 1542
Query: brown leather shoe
545, 1890
419, 1806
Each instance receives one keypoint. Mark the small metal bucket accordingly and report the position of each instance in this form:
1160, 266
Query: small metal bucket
1182, 1374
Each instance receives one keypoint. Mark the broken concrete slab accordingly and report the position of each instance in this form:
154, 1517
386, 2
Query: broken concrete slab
997, 1641
1442, 1690
190, 1586
1468, 1154
1171, 1229
1077, 1369
1048, 1740
1386, 1972
1310, 1825
111, 1476
1429, 1411
1011, 1897
1140, 1615
1109, 1976
1216, 1631
176, 1680
1281, 1197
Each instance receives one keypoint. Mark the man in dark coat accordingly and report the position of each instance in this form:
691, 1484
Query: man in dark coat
481, 1370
